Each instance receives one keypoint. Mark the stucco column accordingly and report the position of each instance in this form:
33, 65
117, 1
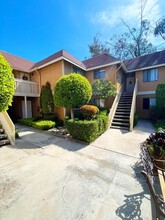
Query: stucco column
25, 101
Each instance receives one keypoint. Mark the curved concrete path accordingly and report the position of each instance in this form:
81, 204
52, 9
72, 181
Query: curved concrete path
51, 178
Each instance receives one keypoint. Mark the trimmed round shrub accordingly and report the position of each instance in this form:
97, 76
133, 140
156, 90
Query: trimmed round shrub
89, 111
72, 90
7, 84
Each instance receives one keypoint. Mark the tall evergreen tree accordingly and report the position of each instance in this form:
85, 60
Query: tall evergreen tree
46, 100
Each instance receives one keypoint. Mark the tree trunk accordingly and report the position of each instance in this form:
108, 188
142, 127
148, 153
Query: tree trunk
72, 113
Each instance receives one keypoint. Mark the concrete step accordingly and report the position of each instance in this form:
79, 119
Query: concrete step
121, 119
122, 116
3, 136
119, 127
122, 110
124, 124
118, 114
4, 142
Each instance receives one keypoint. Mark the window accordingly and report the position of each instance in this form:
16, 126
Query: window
75, 69
150, 75
149, 103
99, 74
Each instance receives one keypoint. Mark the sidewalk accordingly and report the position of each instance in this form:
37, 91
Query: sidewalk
48, 177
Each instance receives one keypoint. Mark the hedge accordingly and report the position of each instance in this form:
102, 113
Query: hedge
43, 124
27, 121
87, 130
160, 100
39, 124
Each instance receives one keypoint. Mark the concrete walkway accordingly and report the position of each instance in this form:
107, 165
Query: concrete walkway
51, 178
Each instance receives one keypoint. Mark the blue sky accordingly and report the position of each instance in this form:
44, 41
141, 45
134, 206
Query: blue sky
35, 29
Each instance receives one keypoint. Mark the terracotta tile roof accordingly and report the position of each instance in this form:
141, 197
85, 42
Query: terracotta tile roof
63, 54
18, 62
142, 62
99, 60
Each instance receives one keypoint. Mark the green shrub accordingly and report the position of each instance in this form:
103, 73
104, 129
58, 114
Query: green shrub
27, 121
102, 121
83, 130
43, 124
160, 125
160, 100
135, 120
46, 101
7, 84
87, 130
72, 90
103, 112
89, 111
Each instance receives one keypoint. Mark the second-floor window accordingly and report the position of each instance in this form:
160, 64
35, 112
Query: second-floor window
99, 74
150, 75
75, 69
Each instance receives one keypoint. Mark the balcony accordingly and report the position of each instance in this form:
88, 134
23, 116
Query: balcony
26, 88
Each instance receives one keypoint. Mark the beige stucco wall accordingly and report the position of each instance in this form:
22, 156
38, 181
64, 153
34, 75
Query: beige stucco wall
143, 113
52, 74
150, 86
110, 74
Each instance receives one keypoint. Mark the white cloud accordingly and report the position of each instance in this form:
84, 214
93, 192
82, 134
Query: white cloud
129, 12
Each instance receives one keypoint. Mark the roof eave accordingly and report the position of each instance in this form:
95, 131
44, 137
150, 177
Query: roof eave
101, 66
56, 60
145, 68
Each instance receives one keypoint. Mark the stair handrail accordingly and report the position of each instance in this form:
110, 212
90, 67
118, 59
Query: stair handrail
133, 106
114, 106
8, 126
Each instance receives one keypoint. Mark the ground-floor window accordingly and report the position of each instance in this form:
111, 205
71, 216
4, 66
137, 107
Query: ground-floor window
149, 103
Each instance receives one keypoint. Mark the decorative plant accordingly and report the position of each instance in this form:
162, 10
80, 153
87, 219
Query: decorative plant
7, 84
89, 111
156, 143
160, 100
72, 90
46, 101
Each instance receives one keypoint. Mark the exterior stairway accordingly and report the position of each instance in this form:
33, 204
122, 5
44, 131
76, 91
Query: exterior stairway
122, 114
3, 138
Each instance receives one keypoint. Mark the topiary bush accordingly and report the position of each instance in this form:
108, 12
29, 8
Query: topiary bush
160, 100
43, 124
72, 90
82, 130
7, 84
89, 111
87, 130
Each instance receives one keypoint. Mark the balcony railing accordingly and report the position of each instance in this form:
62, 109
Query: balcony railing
26, 88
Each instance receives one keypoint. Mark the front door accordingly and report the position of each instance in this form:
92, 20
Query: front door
130, 82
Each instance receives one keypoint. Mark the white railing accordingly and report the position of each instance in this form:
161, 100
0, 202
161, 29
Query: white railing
26, 88
8, 126
133, 106
114, 106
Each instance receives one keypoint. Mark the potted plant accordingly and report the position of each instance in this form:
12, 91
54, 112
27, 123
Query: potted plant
155, 144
